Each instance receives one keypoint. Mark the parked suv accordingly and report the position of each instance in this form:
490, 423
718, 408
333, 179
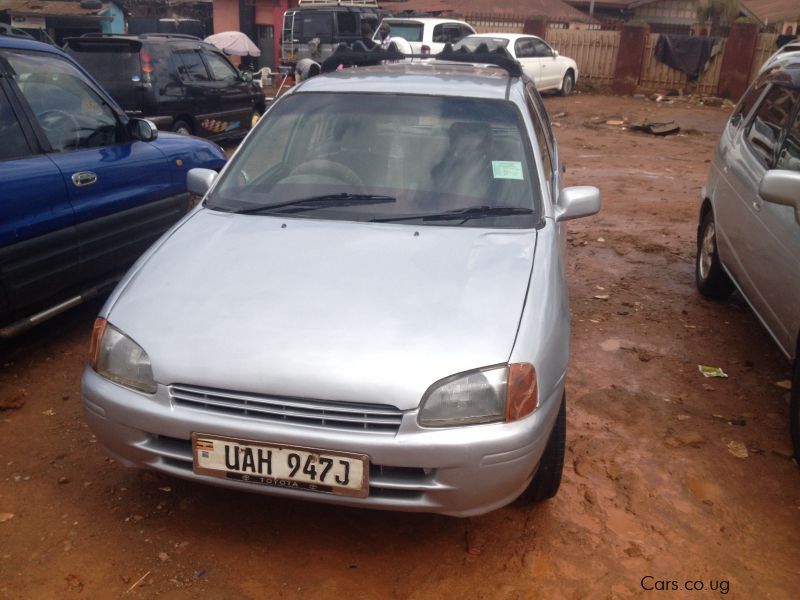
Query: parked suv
177, 81
84, 189
315, 28
749, 232
426, 35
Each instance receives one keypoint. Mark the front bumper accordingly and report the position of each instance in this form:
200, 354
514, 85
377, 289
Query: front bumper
461, 471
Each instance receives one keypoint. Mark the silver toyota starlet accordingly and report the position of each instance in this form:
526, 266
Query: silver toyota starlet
368, 308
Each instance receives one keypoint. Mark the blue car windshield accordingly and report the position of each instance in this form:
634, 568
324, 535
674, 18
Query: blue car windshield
374, 157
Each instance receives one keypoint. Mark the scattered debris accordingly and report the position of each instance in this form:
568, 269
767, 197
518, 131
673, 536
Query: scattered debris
738, 449
165, 488
683, 417
655, 128
784, 384
137, 582
63, 480
615, 122
707, 371
163, 556
6, 517
601, 297
49, 412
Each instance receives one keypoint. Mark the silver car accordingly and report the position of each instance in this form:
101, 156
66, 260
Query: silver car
369, 307
749, 232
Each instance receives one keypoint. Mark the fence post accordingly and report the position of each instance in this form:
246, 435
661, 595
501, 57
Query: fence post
630, 57
737, 61
535, 26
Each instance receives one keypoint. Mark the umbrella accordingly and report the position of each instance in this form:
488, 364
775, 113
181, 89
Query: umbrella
234, 42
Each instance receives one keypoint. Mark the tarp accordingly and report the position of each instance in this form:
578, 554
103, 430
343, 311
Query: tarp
689, 54
234, 42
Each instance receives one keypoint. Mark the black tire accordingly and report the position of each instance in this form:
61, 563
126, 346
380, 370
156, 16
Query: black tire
794, 409
182, 128
567, 84
711, 279
547, 480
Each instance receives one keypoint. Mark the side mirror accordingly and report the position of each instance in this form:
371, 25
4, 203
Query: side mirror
199, 181
247, 77
576, 202
556, 54
142, 130
782, 187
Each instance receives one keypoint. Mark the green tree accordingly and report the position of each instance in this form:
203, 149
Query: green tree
717, 11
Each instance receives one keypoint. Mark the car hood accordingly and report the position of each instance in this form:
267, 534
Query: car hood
343, 311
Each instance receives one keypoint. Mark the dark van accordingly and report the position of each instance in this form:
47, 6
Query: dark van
317, 27
177, 81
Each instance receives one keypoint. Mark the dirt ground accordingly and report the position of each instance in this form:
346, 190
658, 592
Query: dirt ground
669, 478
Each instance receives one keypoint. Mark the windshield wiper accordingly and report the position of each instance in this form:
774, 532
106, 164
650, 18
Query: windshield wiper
461, 214
322, 201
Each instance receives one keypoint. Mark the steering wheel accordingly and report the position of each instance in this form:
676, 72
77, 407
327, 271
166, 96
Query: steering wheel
326, 168
61, 124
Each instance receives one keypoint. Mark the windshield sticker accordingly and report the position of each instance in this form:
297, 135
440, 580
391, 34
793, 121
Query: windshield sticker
507, 169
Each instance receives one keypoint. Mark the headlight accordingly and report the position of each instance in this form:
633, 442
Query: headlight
117, 357
489, 395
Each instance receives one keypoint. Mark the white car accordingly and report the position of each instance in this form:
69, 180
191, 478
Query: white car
426, 35
548, 69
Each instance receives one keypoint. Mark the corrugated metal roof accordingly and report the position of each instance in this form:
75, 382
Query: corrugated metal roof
774, 11
556, 10
49, 8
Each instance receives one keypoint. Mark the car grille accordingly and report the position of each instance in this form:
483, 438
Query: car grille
373, 418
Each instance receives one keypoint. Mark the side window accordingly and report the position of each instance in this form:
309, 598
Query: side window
438, 35
542, 141
220, 68
746, 104
524, 48
191, 66
66, 106
541, 50
452, 33
771, 118
465, 31
14, 144
347, 23
789, 156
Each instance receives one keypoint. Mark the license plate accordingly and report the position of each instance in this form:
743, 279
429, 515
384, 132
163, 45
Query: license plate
281, 466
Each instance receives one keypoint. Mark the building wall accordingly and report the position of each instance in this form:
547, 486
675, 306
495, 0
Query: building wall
668, 11
226, 15
118, 24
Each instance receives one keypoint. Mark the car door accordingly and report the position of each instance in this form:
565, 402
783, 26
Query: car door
757, 234
202, 98
550, 72
531, 64
236, 98
121, 191
38, 240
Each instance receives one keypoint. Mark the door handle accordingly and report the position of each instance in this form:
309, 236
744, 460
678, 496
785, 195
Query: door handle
83, 178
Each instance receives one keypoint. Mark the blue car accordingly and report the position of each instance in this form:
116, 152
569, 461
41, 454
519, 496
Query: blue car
84, 189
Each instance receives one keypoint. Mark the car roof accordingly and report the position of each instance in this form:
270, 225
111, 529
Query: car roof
511, 37
426, 77
428, 20
19, 43
784, 69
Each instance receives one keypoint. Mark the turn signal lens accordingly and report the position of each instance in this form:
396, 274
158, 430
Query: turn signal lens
98, 330
523, 396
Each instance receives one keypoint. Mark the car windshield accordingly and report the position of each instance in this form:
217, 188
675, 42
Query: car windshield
471, 43
379, 157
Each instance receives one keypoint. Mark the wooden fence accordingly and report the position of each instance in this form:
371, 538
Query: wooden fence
594, 51
658, 76
765, 47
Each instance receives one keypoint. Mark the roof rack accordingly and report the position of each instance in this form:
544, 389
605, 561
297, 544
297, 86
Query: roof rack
338, 3
357, 55
178, 36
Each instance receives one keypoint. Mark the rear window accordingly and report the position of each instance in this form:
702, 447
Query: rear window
472, 43
314, 25
411, 32
406, 157
110, 64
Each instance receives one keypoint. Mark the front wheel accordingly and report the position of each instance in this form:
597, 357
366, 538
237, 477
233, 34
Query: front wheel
182, 128
711, 279
567, 84
547, 480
